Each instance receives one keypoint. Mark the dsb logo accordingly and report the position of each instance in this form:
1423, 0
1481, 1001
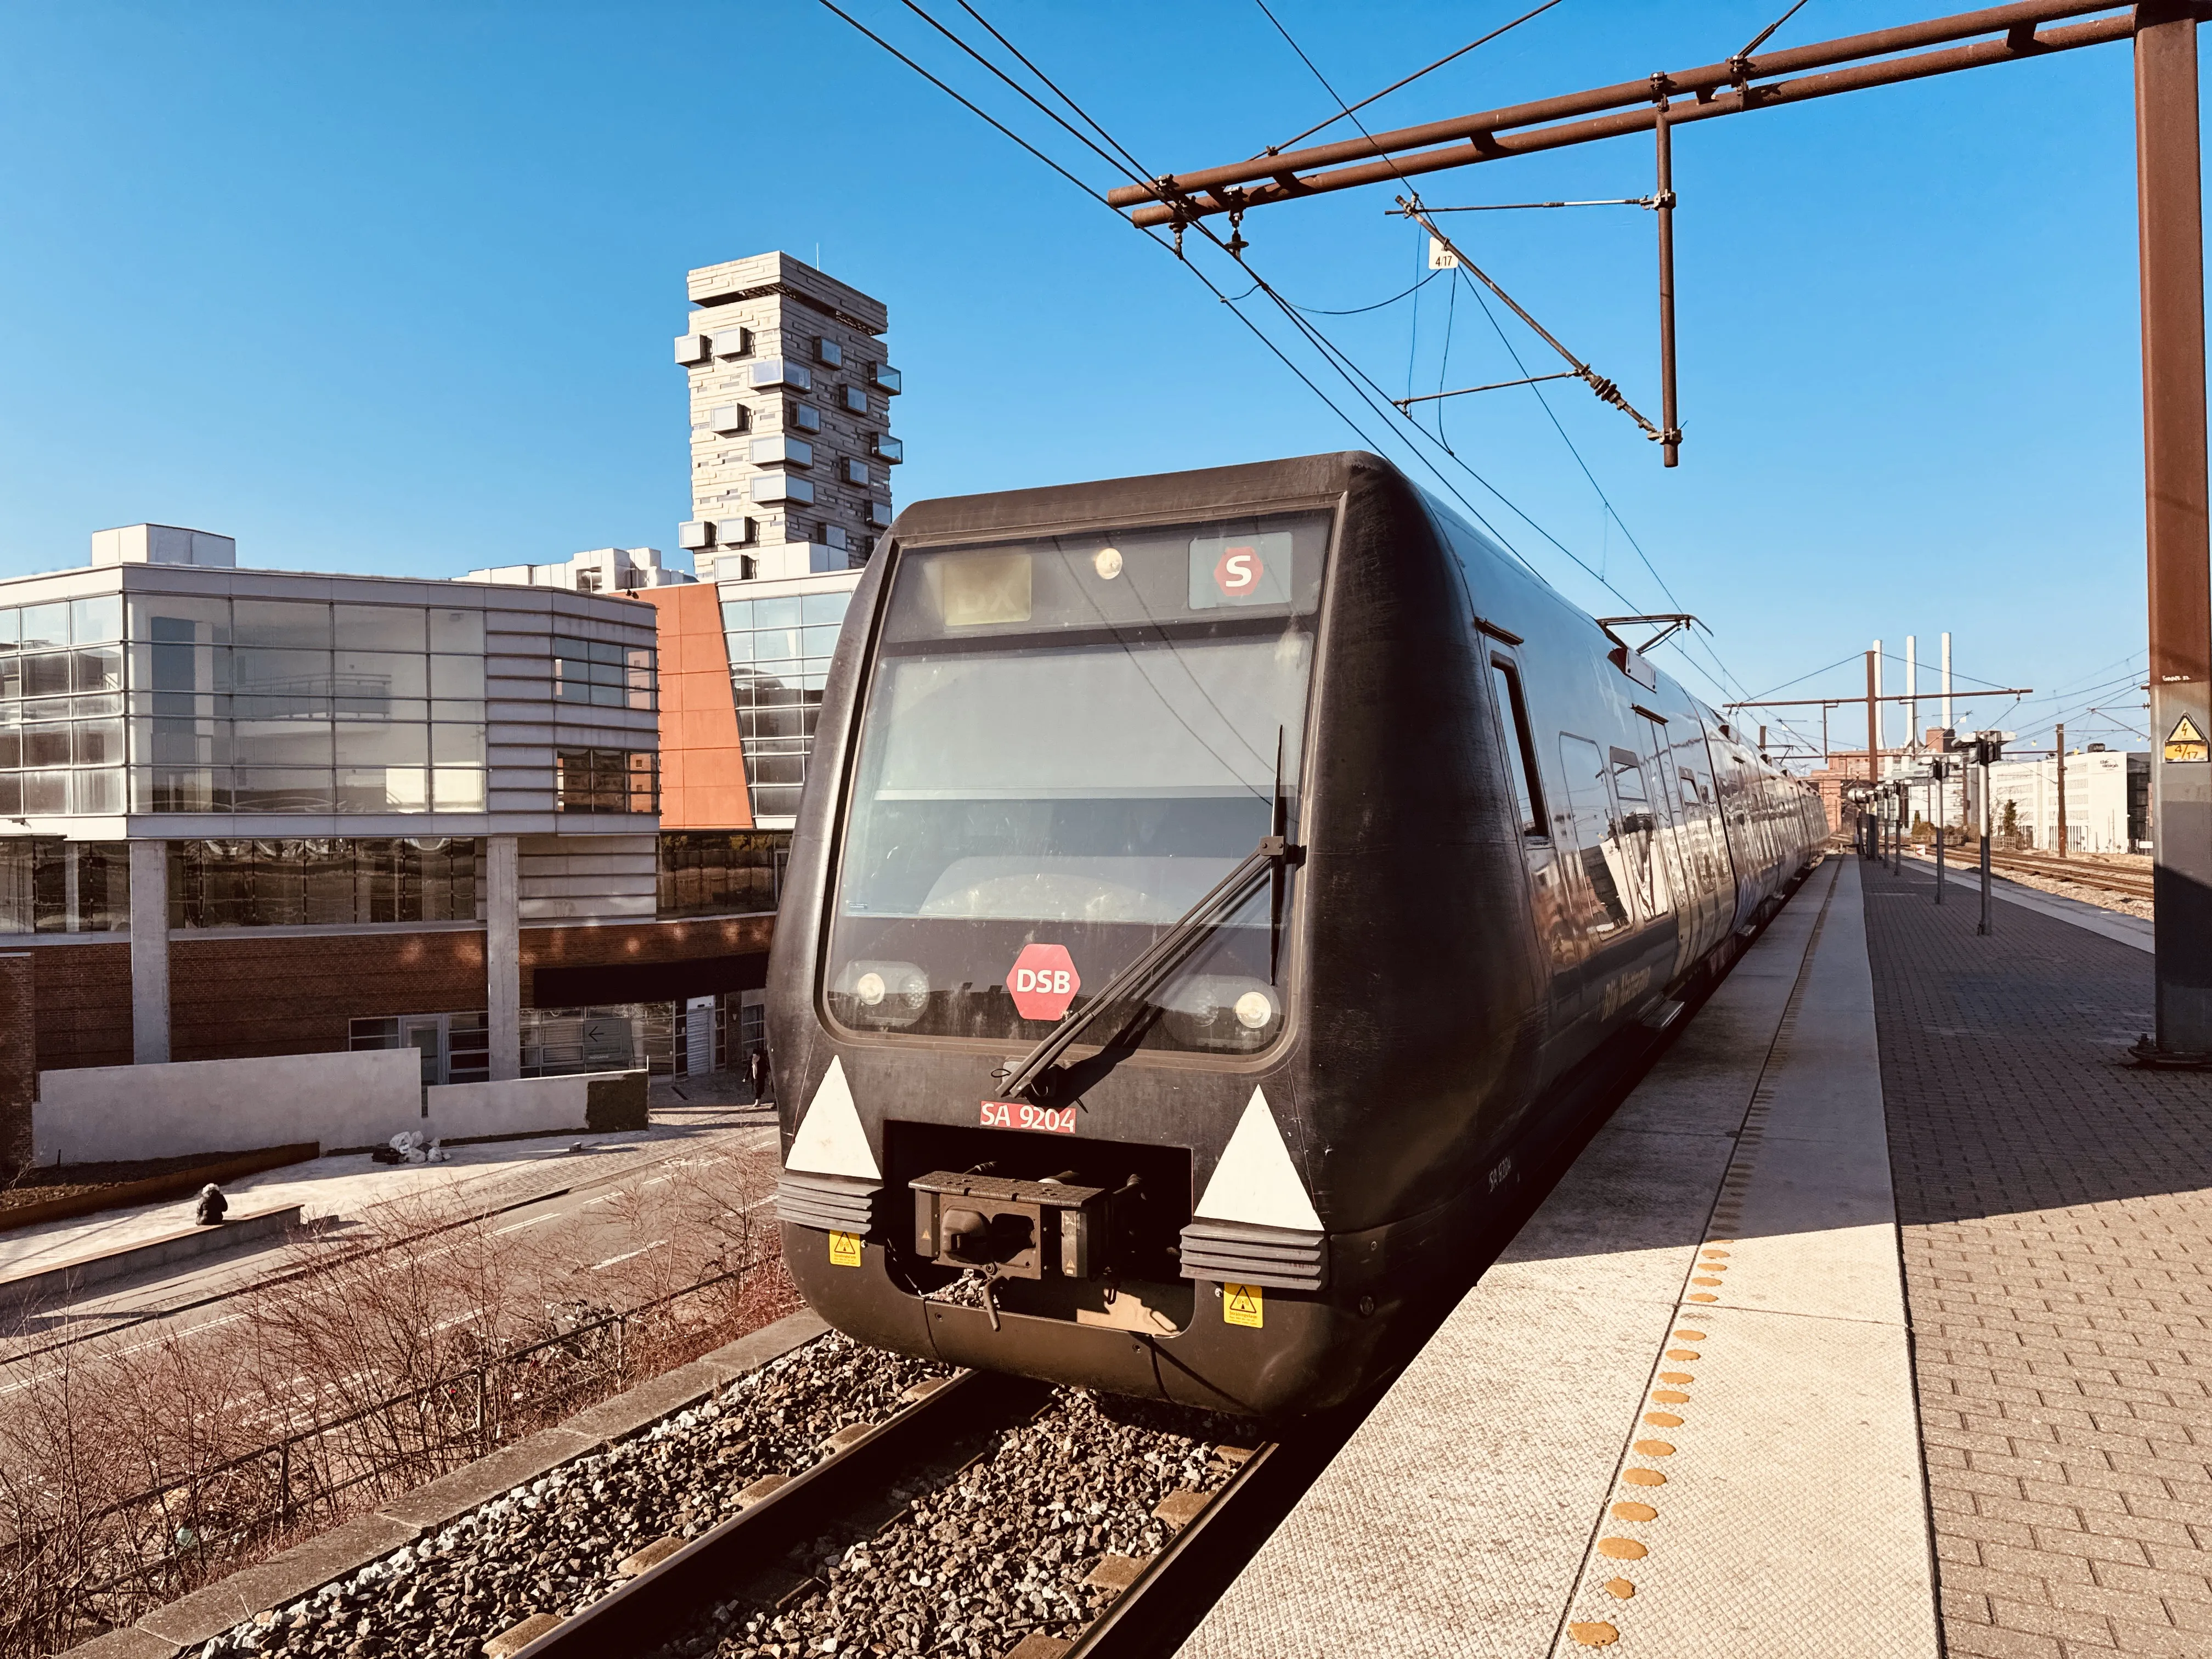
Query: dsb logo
1043, 981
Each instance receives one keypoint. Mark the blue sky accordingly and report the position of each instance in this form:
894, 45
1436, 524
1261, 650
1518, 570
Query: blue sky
389, 288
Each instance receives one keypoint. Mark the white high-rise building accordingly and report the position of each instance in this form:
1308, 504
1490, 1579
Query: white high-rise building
791, 456
791, 444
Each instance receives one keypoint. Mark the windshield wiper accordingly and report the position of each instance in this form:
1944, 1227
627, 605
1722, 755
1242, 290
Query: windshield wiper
1167, 953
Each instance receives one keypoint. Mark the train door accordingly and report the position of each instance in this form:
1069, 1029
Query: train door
1671, 829
1707, 856
1598, 887
1548, 898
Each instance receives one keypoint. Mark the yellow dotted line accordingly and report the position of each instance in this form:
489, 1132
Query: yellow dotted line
1600, 1632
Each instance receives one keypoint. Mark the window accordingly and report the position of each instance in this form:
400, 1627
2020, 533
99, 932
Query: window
780, 451
334, 881
734, 342
803, 417
779, 651
729, 419
736, 872
827, 350
856, 400
606, 780
1587, 826
856, 472
884, 376
782, 486
602, 673
885, 447
455, 1047
49, 886
776, 371
1520, 752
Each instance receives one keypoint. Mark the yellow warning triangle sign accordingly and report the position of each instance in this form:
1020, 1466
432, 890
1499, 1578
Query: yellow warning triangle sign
2185, 730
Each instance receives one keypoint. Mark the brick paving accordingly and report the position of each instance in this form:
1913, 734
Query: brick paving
2055, 1212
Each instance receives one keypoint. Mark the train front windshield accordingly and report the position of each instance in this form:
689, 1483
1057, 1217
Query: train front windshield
1066, 743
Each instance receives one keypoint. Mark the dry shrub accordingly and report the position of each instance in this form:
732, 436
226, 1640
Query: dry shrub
134, 1468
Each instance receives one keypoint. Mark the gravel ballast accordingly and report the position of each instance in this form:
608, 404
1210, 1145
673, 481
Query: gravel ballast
552, 1546
1001, 1550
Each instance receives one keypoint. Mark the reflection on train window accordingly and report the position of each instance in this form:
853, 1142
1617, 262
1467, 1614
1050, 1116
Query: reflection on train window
1520, 752
1590, 819
1691, 795
1062, 747
1637, 827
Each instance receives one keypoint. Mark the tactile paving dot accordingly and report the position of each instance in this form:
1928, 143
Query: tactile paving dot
1662, 1420
1703, 1296
1621, 1549
1684, 1354
1620, 1588
1644, 1477
1653, 1449
1596, 1634
1634, 1512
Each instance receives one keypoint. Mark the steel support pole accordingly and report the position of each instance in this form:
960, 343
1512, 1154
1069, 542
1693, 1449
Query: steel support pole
1983, 927
1874, 731
1942, 812
2170, 229
2060, 745
1670, 431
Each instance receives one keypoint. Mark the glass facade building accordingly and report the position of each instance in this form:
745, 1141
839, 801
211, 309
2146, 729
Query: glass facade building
300, 706
780, 649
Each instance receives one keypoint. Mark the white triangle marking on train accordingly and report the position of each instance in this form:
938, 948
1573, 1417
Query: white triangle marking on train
1255, 1180
830, 1140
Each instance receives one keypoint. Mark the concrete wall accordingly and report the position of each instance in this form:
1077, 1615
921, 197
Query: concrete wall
522, 1106
99, 1113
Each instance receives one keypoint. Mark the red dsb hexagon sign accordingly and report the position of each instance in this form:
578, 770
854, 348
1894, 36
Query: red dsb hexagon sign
1043, 981
1238, 571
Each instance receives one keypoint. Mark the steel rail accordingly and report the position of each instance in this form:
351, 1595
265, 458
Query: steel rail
660, 1599
1175, 192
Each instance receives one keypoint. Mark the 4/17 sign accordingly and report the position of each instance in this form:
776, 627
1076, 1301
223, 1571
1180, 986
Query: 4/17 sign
1020, 1115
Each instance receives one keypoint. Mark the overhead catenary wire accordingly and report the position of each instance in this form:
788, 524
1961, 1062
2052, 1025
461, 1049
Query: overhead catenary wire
1448, 57
1356, 379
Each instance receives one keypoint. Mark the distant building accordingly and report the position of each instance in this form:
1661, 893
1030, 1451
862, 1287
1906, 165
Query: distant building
249, 812
791, 394
2107, 799
600, 571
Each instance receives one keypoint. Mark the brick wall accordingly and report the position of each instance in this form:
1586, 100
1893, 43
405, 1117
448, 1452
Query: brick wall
82, 993
234, 997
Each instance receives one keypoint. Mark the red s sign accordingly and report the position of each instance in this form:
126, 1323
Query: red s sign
1239, 571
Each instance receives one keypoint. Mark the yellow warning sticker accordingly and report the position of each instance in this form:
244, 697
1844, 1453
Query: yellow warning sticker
1241, 1304
844, 1250
2186, 742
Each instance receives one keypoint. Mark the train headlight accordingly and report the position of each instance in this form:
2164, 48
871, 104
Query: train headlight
881, 993
1223, 1012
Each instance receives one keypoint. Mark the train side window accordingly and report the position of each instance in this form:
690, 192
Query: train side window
1590, 820
1520, 749
1689, 786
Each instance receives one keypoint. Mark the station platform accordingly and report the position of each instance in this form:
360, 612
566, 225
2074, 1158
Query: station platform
1870, 1325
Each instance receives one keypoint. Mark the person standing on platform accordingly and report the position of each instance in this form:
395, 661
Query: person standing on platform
756, 1069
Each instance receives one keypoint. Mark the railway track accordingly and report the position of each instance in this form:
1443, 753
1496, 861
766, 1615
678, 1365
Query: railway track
2083, 872
959, 1525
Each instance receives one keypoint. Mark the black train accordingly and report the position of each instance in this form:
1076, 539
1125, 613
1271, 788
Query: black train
1207, 888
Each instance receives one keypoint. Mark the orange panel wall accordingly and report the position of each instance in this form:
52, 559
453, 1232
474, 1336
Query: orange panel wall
702, 766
